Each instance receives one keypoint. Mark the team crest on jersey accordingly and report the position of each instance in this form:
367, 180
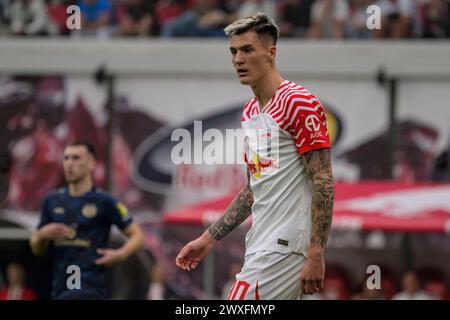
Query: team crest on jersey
122, 210
262, 151
89, 210
59, 210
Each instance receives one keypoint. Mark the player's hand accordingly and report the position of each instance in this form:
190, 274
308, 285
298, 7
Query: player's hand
109, 257
192, 253
54, 231
312, 274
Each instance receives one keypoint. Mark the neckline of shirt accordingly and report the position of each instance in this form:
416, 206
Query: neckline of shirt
282, 85
81, 196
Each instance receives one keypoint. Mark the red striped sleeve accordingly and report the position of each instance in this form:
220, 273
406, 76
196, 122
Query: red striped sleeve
304, 117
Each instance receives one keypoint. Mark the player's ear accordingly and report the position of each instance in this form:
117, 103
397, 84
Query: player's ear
92, 163
272, 52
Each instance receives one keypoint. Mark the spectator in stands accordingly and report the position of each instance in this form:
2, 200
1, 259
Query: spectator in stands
335, 288
399, 19
357, 25
411, 288
16, 288
434, 282
57, 11
207, 18
250, 7
436, 16
95, 18
29, 18
295, 18
137, 18
167, 11
368, 294
388, 282
328, 18
336, 285
437, 289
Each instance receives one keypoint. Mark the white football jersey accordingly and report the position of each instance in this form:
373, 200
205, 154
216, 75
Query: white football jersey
292, 123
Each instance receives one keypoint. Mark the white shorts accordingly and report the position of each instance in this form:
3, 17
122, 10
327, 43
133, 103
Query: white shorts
268, 275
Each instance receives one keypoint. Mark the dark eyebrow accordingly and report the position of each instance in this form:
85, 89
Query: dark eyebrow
74, 156
245, 46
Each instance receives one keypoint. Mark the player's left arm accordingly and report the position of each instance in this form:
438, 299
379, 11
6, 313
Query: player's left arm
120, 216
317, 164
135, 240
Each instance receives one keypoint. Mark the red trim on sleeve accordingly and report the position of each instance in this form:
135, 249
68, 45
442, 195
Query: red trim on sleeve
315, 146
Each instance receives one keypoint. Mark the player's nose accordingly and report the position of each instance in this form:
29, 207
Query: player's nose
238, 58
68, 164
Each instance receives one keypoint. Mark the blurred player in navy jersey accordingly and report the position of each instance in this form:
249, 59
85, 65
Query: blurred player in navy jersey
76, 221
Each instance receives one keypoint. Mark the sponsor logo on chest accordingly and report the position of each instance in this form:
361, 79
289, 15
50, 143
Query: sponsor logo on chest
59, 210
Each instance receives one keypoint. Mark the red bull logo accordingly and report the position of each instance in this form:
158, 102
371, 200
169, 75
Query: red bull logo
258, 164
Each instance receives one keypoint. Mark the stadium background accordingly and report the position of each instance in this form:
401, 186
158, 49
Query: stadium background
387, 102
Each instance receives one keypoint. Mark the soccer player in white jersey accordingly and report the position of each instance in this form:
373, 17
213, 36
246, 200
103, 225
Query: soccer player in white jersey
290, 187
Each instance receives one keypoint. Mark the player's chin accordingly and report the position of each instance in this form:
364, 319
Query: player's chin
69, 178
244, 80
246, 83
72, 178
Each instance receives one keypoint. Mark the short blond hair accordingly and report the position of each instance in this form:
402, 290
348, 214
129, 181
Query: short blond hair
259, 22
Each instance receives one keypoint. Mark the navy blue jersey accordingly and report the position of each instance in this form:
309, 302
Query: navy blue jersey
89, 218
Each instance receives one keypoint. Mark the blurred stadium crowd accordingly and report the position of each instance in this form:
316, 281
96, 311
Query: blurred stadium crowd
422, 284
206, 18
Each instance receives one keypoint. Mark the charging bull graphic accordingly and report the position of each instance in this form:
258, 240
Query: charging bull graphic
261, 151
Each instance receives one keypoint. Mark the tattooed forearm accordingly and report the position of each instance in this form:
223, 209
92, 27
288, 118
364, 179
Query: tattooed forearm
318, 167
237, 212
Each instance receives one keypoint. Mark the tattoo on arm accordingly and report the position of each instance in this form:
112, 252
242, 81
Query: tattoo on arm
318, 167
237, 212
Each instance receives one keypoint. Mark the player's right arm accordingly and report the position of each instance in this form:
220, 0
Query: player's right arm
40, 237
237, 212
46, 231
